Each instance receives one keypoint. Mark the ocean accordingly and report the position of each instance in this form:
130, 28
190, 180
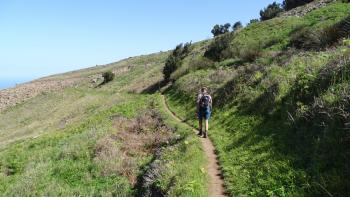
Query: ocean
9, 83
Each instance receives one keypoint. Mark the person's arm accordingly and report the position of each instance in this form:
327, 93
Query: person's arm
211, 103
197, 103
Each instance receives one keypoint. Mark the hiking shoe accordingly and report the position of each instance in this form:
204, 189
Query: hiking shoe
205, 134
200, 133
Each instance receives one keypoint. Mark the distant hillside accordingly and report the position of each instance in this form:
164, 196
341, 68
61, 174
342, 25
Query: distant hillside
90, 77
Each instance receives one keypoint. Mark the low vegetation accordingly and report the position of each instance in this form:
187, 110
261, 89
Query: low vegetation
101, 141
309, 39
280, 117
280, 123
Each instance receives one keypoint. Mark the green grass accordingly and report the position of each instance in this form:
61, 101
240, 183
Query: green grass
254, 138
272, 34
261, 125
250, 164
48, 142
61, 162
328, 15
185, 163
263, 112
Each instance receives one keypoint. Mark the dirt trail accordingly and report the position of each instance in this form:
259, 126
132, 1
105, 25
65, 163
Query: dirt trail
216, 184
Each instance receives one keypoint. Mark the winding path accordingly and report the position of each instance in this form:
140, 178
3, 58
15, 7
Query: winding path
216, 184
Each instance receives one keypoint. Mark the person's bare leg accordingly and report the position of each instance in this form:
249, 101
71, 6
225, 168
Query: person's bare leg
206, 125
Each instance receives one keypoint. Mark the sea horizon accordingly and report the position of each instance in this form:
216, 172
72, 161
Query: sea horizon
12, 82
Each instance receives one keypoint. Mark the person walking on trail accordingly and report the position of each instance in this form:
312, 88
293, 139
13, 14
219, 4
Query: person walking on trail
204, 108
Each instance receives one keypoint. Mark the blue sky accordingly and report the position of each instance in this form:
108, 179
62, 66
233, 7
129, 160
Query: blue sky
42, 37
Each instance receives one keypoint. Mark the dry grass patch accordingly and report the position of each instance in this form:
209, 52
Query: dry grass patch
122, 153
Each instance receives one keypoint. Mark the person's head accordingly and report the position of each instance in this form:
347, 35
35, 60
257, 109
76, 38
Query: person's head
204, 90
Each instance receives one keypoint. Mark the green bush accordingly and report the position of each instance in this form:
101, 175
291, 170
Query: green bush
252, 21
175, 59
271, 11
219, 48
108, 76
220, 29
237, 26
290, 4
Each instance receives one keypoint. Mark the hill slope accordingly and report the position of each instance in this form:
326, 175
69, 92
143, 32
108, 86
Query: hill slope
281, 117
280, 122
83, 140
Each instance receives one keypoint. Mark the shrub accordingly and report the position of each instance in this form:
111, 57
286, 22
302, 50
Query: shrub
237, 26
219, 48
252, 21
108, 76
175, 59
171, 64
220, 29
290, 4
271, 11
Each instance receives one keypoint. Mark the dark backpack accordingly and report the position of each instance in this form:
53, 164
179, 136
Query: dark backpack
204, 102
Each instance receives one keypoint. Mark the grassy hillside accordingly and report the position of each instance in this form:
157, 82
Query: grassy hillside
280, 121
76, 141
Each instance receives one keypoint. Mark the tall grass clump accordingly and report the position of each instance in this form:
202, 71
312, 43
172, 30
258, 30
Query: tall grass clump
308, 38
248, 53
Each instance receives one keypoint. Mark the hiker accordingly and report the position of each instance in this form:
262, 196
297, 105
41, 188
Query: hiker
204, 107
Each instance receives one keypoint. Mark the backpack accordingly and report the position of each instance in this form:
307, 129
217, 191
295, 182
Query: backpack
204, 102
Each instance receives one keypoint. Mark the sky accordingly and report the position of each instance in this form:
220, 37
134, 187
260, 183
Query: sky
44, 37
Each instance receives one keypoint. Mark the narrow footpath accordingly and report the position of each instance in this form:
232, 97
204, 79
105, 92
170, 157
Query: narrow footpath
216, 184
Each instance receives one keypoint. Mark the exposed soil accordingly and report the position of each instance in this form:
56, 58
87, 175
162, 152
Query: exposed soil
23, 92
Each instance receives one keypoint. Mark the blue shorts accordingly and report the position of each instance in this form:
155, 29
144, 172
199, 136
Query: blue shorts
204, 114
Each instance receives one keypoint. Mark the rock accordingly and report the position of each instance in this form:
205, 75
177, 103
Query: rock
303, 10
